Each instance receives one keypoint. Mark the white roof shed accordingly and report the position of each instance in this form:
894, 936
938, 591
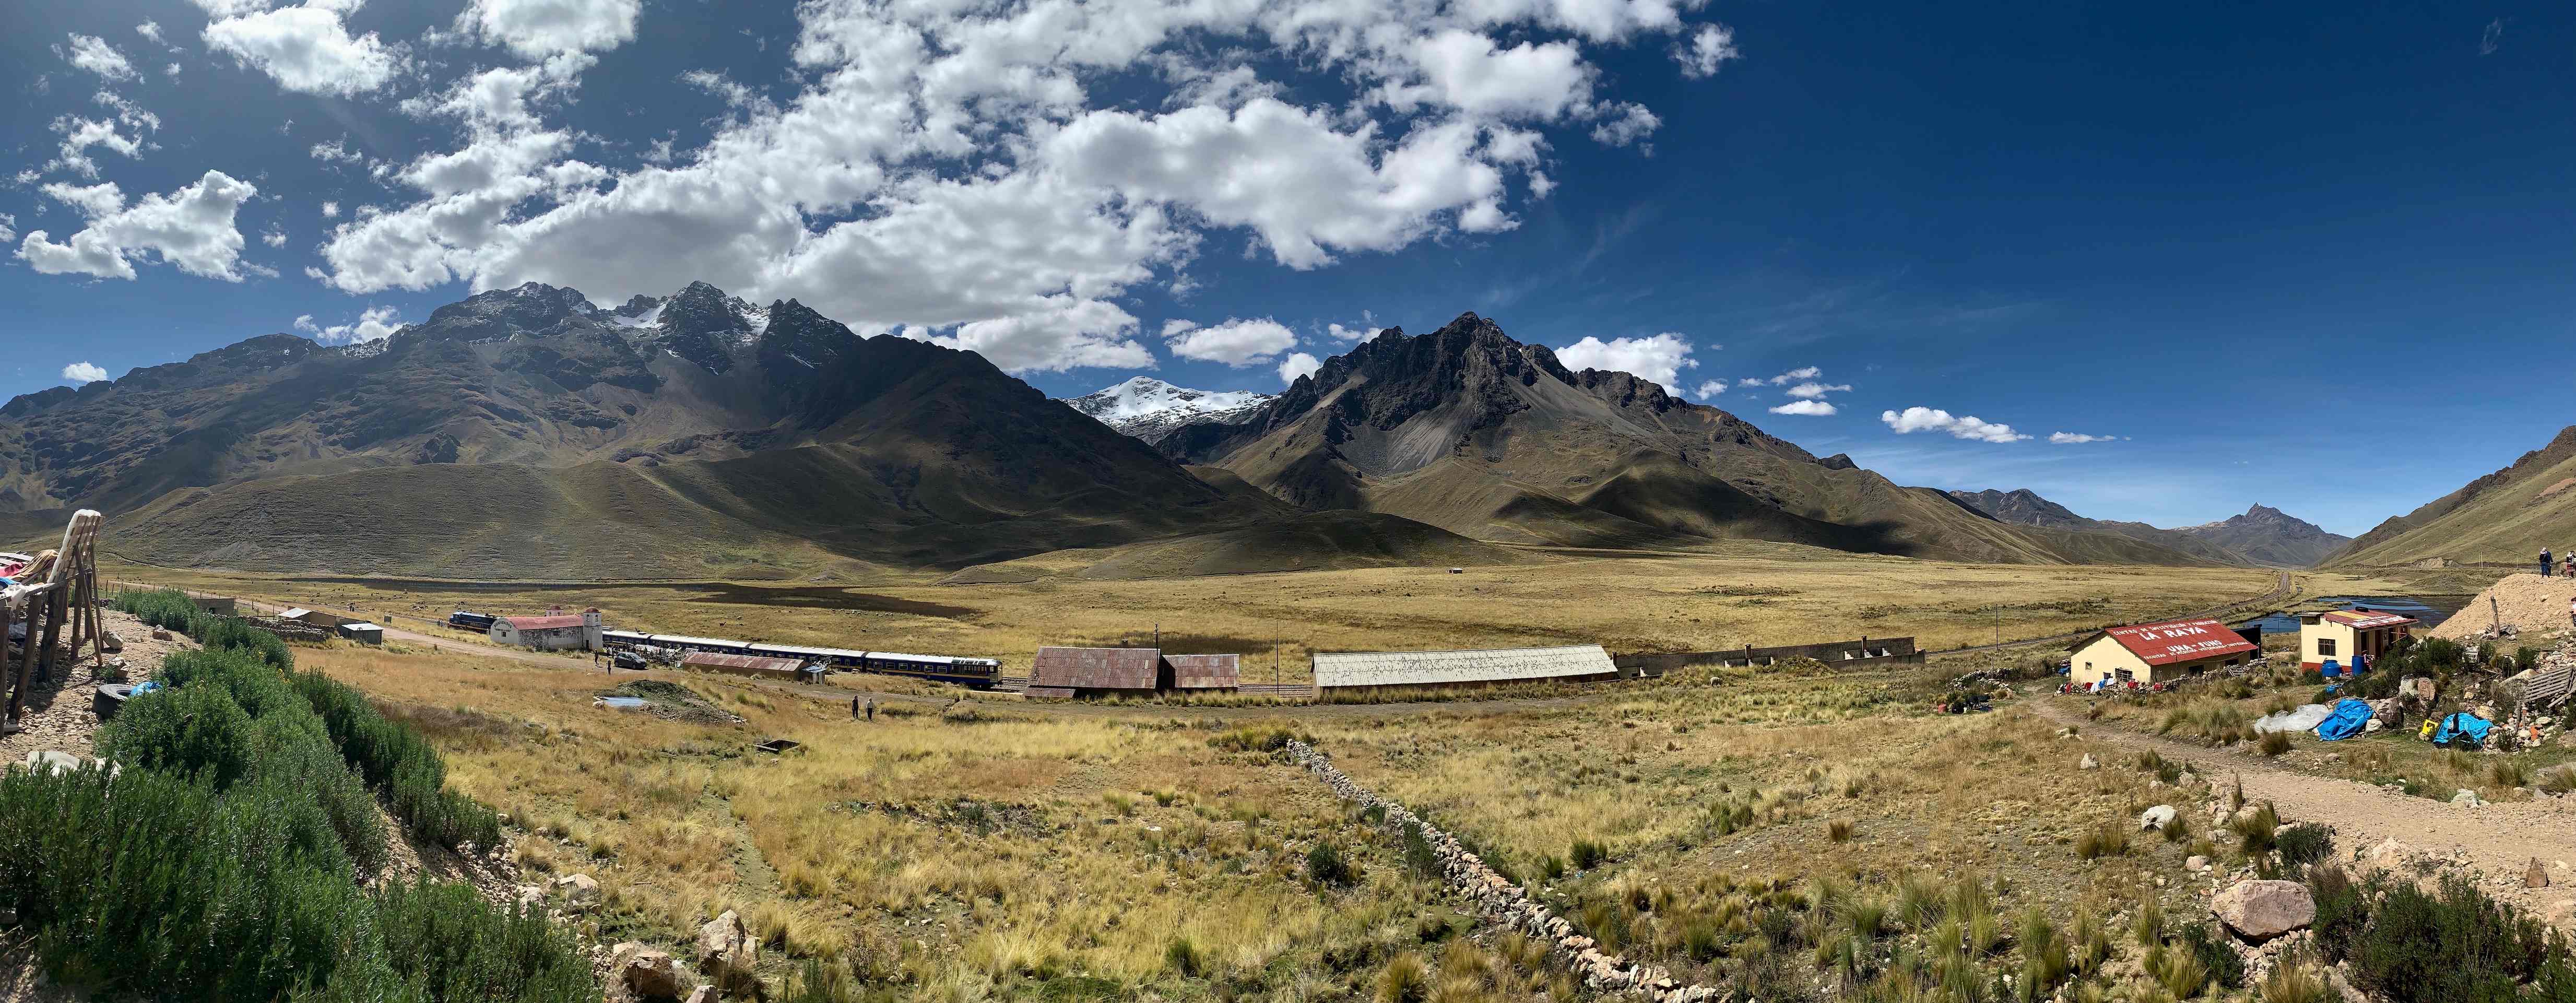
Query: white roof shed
1439, 668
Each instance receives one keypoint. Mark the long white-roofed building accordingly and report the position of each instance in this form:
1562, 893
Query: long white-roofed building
1571, 663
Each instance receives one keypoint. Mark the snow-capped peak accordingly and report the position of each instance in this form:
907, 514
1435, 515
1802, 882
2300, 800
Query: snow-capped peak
1149, 409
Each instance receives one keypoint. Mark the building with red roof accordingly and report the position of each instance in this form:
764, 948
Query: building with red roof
552, 632
2151, 653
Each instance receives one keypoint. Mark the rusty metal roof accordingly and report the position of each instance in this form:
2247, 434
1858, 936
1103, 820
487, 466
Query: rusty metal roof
2369, 619
1096, 668
2179, 641
1435, 668
543, 622
1205, 672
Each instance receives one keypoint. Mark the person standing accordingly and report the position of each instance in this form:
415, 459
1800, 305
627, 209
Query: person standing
854, 708
2544, 562
872, 709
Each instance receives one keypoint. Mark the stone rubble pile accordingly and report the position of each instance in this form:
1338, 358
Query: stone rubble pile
1509, 905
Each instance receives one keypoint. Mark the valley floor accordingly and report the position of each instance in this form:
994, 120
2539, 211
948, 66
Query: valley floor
1757, 594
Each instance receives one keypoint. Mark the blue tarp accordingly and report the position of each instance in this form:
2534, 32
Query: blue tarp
2468, 729
2350, 717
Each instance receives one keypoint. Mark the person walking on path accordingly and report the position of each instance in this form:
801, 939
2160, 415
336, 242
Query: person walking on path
872, 709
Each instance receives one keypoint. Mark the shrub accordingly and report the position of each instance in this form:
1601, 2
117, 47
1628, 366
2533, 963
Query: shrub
1325, 866
2458, 945
2179, 971
2044, 957
2210, 948
2343, 908
1839, 830
1418, 854
195, 731
1587, 854
2303, 844
2509, 773
2274, 743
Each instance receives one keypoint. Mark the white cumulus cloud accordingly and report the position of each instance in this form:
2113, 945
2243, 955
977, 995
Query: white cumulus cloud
375, 323
1709, 388
83, 372
536, 29
1929, 419
92, 53
1812, 391
1660, 357
1298, 364
1810, 408
304, 48
191, 228
1792, 376
1001, 175
2070, 438
1708, 48
1235, 342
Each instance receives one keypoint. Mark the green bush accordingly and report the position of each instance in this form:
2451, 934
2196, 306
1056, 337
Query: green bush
2343, 908
2303, 844
194, 731
1587, 854
2459, 946
2207, 945
1325, 865
398, 761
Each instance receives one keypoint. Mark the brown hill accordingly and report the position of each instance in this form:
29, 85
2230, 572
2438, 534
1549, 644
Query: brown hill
2501, 518
1471, 431
523, 434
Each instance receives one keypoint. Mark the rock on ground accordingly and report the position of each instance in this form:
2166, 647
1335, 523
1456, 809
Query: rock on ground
2157, 817
726, 951
640, 974
2261, 910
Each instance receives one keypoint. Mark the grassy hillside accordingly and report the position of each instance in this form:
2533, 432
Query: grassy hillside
2502, 518
1309, 541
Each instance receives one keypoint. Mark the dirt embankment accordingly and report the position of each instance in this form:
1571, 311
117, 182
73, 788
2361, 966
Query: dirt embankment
2528, 602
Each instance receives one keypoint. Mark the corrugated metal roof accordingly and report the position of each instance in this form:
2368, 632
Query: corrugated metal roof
543, 622
2180, 641
713, 660
1435, 668
2366, 620
296, 613
1096, 668
1205, 672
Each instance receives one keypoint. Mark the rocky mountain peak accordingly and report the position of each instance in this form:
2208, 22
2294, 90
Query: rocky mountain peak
1150, 409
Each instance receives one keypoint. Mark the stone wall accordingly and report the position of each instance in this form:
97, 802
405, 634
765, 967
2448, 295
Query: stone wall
1506, 905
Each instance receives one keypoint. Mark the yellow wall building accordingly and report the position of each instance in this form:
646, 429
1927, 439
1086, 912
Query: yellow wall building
2340, 635
2151, 653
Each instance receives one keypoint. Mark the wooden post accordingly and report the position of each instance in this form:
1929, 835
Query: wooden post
56, 604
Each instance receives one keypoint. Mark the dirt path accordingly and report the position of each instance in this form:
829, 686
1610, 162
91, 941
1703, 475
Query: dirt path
2496, 841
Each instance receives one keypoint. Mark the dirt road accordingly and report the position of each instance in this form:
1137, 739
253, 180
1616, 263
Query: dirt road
2498, 841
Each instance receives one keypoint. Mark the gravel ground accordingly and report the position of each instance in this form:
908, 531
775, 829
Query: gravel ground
58, 714
2532, 604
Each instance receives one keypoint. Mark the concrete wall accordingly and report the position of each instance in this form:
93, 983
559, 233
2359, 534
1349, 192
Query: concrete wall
2103, 659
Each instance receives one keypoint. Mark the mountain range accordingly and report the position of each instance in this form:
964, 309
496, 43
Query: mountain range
2502, 518
2263, 535
1149, 409
1466, 429
528, 434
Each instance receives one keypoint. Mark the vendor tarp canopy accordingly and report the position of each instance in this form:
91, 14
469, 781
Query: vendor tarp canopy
2465, 729
2302, 719
2350, 718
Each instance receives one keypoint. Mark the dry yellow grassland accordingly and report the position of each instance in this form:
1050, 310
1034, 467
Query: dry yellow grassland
1123, 853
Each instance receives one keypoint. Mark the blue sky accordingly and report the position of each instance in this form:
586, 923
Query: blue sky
2311, 256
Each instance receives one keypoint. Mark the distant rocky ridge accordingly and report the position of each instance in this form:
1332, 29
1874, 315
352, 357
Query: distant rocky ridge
1466, 429
524, 433
1149, 409
2502, 518
2262, 536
